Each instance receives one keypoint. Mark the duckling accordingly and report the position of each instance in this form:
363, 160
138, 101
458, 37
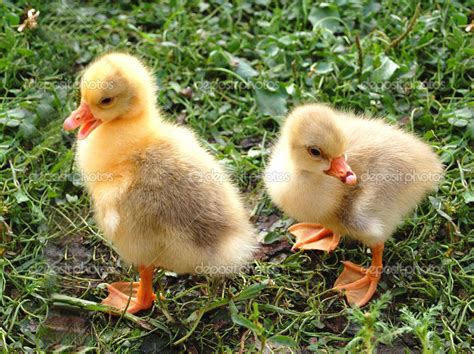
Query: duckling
157, 194
344, 174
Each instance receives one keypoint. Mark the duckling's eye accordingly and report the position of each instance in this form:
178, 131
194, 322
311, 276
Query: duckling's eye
106, 101
314, 151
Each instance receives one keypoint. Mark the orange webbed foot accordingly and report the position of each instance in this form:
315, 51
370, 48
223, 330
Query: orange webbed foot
313, 237
359, 283
120, 292
132, 296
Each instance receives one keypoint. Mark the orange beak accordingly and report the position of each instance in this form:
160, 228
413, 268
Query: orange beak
82, 117
340, 169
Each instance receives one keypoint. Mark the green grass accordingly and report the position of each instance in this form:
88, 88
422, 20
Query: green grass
245, 65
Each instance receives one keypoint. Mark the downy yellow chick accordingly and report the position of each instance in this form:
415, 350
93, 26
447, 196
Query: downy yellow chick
158, 196
348, 175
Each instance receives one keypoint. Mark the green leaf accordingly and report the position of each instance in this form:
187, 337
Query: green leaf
460, 117
444, 215
251, 291
385, 70
44, 110
468, 196
4, 62
276, 309
470, 128
219, 59
460, 123
25, 52
192, 317
435, 202
241, 320
13, 117
323, 67
21, 197
272, 103
283, 340
27, 128
464, 113
71, 198
174, 86
325, 16
13, 19
12, 123
243, 68
460, 18
244, 322
428, 135
271, 237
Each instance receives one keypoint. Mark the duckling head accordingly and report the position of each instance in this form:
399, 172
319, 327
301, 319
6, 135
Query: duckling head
317, 143
115, 86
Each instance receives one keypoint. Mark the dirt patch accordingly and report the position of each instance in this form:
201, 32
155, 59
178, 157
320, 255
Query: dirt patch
267, 251
80, 264
64, 329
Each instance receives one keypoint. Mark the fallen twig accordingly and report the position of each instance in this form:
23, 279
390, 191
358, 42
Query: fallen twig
410, 26
65, 301
361, 55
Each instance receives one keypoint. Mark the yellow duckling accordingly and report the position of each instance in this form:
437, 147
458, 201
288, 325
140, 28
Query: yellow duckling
158, 195
348, 175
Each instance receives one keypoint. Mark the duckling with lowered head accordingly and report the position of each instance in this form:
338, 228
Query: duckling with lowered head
348, 175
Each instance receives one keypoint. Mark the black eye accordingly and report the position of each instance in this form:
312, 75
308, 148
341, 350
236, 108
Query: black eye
314, 151
106, 101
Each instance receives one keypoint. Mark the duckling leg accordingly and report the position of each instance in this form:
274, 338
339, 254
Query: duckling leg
313, 237
358, 282
132, 296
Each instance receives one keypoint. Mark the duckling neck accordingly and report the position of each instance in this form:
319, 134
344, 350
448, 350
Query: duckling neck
123, 131
114, 142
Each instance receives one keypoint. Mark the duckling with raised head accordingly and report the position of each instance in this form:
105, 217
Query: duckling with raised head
158, 195
348, 175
